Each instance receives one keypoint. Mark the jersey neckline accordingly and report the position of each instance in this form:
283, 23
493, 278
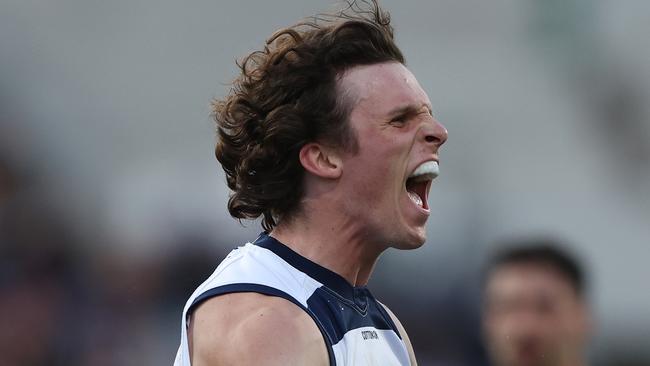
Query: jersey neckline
328, 278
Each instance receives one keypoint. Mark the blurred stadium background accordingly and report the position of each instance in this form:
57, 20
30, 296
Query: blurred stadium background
112, 207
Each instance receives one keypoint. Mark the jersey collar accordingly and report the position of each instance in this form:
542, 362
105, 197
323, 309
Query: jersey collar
330, 279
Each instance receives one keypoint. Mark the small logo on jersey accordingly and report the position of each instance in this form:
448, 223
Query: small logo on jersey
369, 334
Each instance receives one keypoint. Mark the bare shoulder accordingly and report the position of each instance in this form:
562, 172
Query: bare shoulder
251, 329
404, 335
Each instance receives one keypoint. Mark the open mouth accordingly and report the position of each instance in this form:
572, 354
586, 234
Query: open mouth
419, 182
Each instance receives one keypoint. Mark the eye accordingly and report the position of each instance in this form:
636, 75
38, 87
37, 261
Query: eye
399, 120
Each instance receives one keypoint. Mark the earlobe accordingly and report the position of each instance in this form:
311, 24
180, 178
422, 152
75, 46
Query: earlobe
320, 160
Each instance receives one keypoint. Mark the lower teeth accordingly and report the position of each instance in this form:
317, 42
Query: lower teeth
415, 198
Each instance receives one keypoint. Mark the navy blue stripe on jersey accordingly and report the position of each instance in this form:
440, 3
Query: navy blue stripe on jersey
340, 306
265, 290
321, 274
388, 318
339, 316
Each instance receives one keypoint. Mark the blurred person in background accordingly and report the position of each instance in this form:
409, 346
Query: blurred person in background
535, 311
38, 279
331, 140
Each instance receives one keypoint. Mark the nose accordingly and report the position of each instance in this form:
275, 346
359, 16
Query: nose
435, 133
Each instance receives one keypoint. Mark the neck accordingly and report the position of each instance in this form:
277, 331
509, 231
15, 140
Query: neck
335, 243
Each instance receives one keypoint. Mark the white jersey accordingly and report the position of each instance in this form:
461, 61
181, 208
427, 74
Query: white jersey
356, 328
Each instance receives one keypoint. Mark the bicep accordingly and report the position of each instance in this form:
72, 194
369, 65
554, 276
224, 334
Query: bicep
253, 329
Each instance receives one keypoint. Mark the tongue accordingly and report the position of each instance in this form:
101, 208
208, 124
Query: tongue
415, 198
416, 190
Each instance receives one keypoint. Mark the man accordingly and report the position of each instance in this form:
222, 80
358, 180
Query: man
535, 311
331, 140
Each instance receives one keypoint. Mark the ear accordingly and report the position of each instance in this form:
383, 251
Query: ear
321, 161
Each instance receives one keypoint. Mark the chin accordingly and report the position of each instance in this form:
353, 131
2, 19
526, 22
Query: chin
412, 246
412, 241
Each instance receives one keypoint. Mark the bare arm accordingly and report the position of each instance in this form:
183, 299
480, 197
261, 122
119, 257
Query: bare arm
254, 329
405, 336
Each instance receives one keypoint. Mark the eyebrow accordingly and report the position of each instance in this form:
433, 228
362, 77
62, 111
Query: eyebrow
410, 109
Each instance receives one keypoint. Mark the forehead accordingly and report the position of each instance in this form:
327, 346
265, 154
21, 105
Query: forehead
379, 88
529, 280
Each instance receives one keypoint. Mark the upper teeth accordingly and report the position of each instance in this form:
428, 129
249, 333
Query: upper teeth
427, 169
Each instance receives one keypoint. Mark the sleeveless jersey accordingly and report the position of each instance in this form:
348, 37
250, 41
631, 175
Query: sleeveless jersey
356, 328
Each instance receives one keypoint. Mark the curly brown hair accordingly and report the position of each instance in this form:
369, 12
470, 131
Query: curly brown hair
286, 96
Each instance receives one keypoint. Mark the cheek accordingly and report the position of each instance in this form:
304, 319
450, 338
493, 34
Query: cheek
374, 171
498, 326
571, 324
377, 171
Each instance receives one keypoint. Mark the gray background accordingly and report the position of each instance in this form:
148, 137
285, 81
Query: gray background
105, 106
